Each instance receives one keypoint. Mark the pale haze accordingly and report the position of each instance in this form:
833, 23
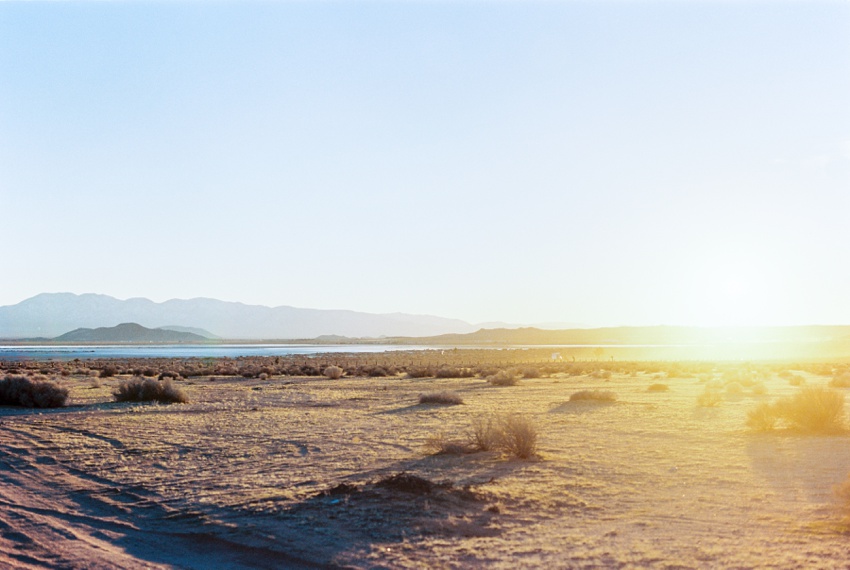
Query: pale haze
601, 163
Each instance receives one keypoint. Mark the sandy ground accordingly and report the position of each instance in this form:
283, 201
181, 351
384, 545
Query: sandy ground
236, 478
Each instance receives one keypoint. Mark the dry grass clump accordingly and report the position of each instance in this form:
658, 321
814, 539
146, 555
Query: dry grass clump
446, 398
513, 434
814, 409
503, 378
518, 436
484, 434
658, 387
31, 393
108, 371
710, 397
601, 374
420, 372
593, 396
333, 372
531, 372
762, 418
454, 372
149, 390
840, 380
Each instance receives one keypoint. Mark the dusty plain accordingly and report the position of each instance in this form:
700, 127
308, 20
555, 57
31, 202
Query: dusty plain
283, 472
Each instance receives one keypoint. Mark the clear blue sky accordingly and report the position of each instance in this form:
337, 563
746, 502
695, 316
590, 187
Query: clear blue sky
601, 163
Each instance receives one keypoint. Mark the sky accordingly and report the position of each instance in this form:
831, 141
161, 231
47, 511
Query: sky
593, 163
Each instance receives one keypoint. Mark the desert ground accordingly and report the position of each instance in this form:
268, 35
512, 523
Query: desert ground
289, 471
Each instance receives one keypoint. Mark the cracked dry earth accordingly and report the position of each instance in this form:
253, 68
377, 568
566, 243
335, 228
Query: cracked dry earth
283, 473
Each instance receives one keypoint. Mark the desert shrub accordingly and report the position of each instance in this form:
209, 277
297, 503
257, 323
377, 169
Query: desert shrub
762, 418
28, 393
658, 388
377, 372
149, 390
531, 372
246, 372
840, 380
601, 374
503, 378
513, 434
486, 371
149, 372
168, 374
518, 436
108, 371
593, 396
453, 372
446, 397
333, 372
484, 435
813, 409
420, 372
759, 389
710, 397
734, 389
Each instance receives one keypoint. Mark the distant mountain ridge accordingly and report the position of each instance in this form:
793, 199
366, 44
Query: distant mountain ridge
656, 335
53, 314
128, 332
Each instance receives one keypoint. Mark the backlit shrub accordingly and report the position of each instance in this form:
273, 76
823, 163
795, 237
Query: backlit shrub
593, 396
814, 409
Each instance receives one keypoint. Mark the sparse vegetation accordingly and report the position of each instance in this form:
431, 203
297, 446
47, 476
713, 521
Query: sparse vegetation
710, 397
593, 396
513, 434
531, 372
762, 418
503, 378
420, 372
657, 387
814, 409
840, 380
333, 372
484, 435
445, 397
31, 393
517, 436
149, 390
453, 372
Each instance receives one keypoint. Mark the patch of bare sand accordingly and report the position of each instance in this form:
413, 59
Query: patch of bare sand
249, 473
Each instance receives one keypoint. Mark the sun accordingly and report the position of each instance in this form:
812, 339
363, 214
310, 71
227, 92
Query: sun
733, 292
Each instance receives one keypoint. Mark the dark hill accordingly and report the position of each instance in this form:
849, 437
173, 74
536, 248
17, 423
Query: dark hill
128, 332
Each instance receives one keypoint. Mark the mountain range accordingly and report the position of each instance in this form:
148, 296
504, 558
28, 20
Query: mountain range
130, 333
49, 315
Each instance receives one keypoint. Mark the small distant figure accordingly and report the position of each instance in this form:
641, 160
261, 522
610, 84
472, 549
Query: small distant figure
556, 357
